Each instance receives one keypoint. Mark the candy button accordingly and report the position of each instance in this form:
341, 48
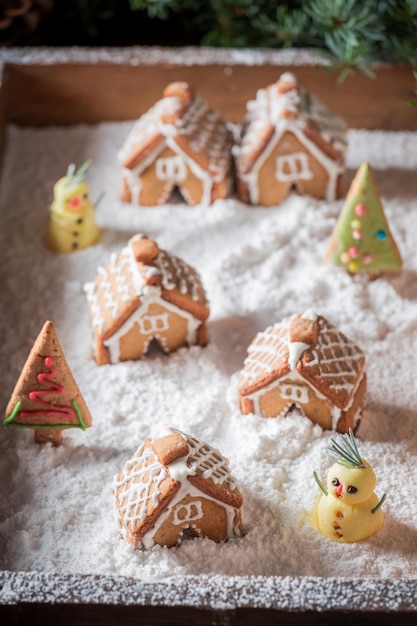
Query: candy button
381, 234
344, 257
356, 224
360, 209
367, 258
353, 266
357, 234
353, 252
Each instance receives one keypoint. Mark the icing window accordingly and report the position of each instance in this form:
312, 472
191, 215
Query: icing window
187, 512
150, 324
298, 393
171, 168
292, 167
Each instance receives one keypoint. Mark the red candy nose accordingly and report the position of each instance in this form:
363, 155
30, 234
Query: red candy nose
75, 202
339, 490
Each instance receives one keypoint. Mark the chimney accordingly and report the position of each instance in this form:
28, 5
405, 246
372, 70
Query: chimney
145, 250
305, 329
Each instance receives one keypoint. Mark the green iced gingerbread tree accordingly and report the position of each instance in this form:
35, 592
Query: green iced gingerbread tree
361, 240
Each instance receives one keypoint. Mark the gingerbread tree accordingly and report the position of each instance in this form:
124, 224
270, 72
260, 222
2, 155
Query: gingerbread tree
361, 240
46, 397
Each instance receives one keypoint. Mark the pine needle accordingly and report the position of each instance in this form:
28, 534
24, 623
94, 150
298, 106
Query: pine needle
70, 170
345, 451
380, 503
320, 484
82, 172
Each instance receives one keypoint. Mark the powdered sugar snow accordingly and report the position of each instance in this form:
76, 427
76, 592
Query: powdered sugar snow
257, 265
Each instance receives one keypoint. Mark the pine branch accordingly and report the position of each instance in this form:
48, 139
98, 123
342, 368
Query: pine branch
351, 35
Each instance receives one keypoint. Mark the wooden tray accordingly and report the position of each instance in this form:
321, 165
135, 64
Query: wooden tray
70, 86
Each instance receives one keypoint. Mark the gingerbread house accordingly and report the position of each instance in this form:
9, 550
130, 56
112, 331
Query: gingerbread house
173, 486
289, 140
145, 294
305, 362
180, 143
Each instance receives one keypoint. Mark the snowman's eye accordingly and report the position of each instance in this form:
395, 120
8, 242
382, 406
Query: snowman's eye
335, 482
352, 489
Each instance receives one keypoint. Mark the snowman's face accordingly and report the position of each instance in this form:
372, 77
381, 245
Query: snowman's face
352, 485
70, 199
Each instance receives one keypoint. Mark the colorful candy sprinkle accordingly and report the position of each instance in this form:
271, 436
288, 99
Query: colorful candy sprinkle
353, 266
381, 234
357, 234
367, 258
360, 209
353, 252
345, 258
356, 224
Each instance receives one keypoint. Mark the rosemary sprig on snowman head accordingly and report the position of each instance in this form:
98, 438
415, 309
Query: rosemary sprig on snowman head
75, 177
345, 451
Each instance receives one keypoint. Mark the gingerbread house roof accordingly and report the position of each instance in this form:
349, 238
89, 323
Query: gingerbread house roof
312, 347
159, 469
188, 124
287, 106
142, 270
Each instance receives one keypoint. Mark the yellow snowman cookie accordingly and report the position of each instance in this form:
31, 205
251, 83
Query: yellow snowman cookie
349, 510
72, 223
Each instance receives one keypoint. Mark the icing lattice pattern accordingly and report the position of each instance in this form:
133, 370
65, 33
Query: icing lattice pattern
207, 135
338, 360
335, 367
112, 291
266, 352
210, 463
138, 487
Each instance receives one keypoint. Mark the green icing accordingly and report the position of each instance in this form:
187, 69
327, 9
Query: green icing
82, 424
9, 421
375, 249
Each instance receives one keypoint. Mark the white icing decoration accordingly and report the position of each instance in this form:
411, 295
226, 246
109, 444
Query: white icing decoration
293, 167
151, 324
309, 314
96, 316
133, 497
187, 512
333, 168
297, 393
337, 359
179, 276
141, 484
298, 402
151, 295
206, 133
268, 109
297, 348
133, 177
264, 352
171, 168
288, 77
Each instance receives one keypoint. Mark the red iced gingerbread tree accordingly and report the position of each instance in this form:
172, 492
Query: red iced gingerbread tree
46, 397
361, 240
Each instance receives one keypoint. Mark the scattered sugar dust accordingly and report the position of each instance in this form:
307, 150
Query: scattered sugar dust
258, 265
